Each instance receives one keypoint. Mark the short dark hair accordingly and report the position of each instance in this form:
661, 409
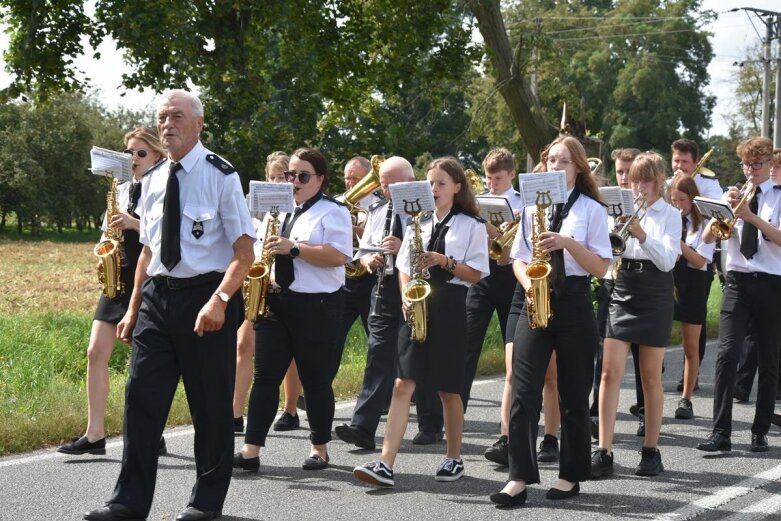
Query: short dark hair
316, 159
686, 145
499, 159
624, 154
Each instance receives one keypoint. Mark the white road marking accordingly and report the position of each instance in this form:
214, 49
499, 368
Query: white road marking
757, 511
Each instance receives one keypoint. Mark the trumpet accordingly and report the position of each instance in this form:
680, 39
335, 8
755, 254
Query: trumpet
352, 197
620, 233
722, 228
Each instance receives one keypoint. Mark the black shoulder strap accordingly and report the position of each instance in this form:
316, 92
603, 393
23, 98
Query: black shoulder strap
335, 201
220, 164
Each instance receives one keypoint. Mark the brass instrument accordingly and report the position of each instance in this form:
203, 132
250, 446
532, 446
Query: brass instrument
259, 277
594, 163
478, 187
417, 289
620, 233
109, 250
503, 240
700, 168
722, 229
538, 270
352, 197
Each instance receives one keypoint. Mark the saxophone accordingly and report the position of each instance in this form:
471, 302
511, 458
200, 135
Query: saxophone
259, 277
109, 250
417, 290
538, 270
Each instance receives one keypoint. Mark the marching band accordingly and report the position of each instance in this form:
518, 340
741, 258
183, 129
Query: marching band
425, 288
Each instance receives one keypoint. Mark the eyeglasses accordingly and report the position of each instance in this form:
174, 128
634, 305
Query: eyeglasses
140, 153
560, 160
756, 165
303, 177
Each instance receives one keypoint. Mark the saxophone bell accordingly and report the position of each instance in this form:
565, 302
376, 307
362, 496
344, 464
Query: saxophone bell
417, 290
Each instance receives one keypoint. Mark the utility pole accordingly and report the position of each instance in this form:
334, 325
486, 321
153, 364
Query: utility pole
772, 21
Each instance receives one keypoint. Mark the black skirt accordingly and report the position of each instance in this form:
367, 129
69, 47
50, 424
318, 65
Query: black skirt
516, 307
641, 307
440, 360
691, 289
112, 310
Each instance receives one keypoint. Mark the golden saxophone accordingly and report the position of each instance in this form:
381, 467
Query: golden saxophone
538, 270
109, 250
364, 187
722, 229
417, 289
259, 277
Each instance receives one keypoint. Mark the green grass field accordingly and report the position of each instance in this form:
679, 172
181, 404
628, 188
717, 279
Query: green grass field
49, 294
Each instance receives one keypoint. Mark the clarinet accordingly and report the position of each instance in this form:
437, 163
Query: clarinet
381, 274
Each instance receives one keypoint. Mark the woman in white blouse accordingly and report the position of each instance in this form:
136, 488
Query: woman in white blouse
690, 285
641, 312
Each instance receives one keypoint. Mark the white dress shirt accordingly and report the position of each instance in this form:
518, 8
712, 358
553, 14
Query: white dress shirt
768, 256
466, 241
662, 226
514, 196
207, 196
694, 241
325, 222
374, 231
586, 223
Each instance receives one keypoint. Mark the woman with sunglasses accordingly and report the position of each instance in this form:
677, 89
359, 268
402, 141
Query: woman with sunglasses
144, 145
456, 258
576, 237
305, 307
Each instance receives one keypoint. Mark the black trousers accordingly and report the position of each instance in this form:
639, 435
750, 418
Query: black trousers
747, 365
703, 331
357, 301
572, 332
493, 293
165, 348
304, 327
384, 321
749, 298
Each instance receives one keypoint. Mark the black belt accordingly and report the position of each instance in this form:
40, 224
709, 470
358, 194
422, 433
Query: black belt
752, 275
638, 265
181, 283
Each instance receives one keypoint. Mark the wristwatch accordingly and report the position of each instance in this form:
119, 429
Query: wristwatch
295, 251
223, 296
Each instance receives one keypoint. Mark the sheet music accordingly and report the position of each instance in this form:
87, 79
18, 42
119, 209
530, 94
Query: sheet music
412, 196
555, 183
619, 201
110, 163
495, 209
714, 208
268, 197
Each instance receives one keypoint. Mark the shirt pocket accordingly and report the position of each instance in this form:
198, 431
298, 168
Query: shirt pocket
199, 223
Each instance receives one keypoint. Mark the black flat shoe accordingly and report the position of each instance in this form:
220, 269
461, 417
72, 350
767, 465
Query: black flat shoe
250, 464
356, 436
716, 442
287, 422
162, 449
113, 512
759, 443
506, 500
315, 462
555, 493
427, 438
192, 513
83, 446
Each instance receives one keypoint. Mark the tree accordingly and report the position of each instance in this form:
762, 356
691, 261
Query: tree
746, 116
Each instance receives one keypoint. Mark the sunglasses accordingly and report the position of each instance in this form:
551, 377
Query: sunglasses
139, 153
303, 177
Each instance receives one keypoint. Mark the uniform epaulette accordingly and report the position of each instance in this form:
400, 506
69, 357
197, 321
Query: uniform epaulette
425, 216
220, 164
379, 193
708, 175
597, 200
377, 204
517, 193
333, 200
154, 167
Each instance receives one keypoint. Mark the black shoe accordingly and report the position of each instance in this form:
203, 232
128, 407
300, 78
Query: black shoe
650, 462
427, 438
684, 410
549, 449
250, 464
595, 428
641, 425
776, 419
301, 402
238, 425
740, 394
315, 462
716, 442
498, 452
162, 450
634, 410
555, 493
287, 422
83, 446
601, 463
506, 500
759, 443
355, 435
113, 512
192, 513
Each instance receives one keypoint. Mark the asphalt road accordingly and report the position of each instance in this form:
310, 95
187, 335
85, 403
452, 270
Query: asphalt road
738, 486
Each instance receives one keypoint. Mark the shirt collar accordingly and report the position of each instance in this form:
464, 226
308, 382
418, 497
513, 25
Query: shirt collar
766, 186
189, 161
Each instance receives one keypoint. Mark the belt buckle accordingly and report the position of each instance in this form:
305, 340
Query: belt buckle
632, 263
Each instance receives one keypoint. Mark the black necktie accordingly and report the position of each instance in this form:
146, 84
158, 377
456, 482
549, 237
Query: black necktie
135, 195
684, 227
749, 237
170, 253
284, 274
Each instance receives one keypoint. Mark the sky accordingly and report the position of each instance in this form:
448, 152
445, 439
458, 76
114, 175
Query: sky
732, 34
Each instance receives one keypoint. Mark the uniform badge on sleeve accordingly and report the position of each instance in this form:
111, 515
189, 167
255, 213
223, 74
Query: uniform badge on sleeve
197, 229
